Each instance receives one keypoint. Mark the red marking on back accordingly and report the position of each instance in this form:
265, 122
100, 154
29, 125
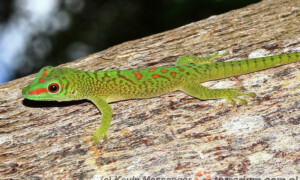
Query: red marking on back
148, 80
38, 91
164, 70
137, 75
173, 74
155, 76
44, 73
61, 85
41, 80
181, 69
152, 70
67, 85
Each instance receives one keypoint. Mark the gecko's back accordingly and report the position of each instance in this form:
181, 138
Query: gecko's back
149, 82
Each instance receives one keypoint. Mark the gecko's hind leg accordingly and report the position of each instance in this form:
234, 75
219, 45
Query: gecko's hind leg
186, 60
230, 94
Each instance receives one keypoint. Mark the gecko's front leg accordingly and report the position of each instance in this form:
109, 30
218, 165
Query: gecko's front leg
106, 111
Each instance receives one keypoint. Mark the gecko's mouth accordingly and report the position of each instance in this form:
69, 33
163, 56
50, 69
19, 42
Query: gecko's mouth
39, 94
28, 93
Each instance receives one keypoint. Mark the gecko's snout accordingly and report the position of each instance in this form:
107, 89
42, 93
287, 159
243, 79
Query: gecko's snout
25, 91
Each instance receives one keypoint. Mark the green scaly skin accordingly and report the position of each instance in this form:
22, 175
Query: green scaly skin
65, 84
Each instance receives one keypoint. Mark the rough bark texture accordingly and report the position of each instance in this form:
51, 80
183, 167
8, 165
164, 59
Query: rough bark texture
173, 135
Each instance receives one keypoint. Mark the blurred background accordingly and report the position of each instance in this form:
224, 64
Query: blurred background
37, 33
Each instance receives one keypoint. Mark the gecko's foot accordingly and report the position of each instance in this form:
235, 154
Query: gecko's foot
218, 55
186, 60
98, 135
233, 94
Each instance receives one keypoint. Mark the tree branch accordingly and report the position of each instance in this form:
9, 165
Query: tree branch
174, 134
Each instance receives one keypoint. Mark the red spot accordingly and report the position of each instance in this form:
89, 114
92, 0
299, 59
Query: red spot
44, 73
181, 69
41, 80
152, 70
67, 85
137, 75
155, 76
56, 76
38, 91
164, 70
148, 80
173, 74
61, 85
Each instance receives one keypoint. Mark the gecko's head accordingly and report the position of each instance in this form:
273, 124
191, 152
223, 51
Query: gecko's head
50, 84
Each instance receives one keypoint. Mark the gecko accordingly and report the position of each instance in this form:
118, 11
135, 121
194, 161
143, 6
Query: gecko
104, 87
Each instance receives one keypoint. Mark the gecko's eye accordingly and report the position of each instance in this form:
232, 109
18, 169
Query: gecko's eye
53, 88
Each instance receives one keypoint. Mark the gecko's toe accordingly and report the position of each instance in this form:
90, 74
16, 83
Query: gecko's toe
251, 94
231, 101
98, 135
95, 138
243, 101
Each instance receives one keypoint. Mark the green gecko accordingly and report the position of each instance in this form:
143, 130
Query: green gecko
66, 84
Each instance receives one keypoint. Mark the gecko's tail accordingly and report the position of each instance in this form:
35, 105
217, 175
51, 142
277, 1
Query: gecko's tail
233, 68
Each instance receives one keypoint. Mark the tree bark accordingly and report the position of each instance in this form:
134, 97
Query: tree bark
172, 135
